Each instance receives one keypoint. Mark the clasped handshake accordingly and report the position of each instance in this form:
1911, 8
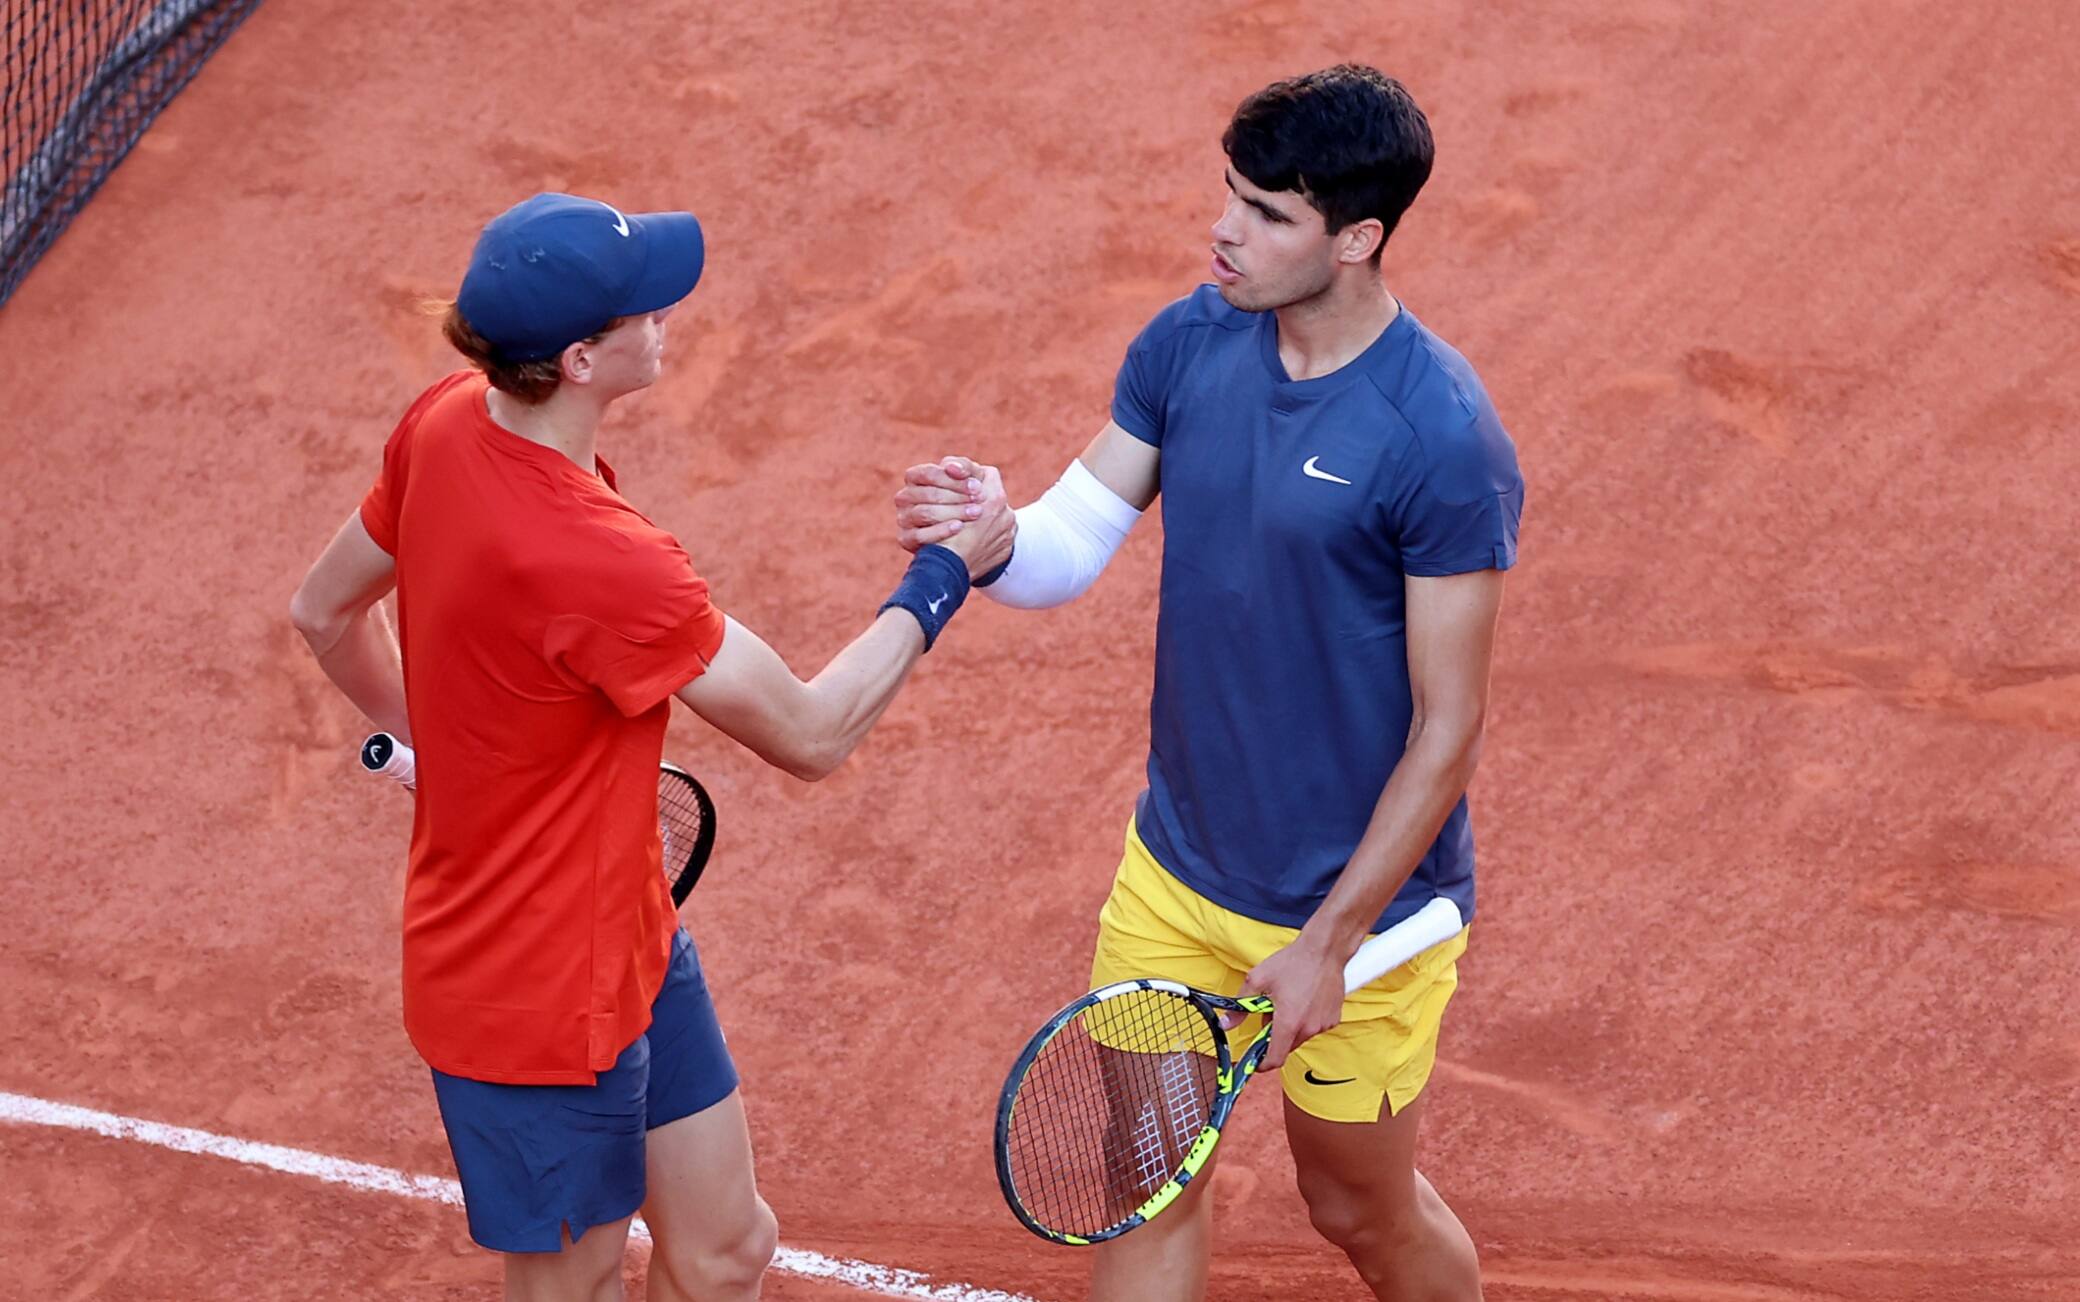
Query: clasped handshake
959, 504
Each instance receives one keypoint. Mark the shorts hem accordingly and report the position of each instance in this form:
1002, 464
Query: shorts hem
702, 1104
536, 1238
1387, 1106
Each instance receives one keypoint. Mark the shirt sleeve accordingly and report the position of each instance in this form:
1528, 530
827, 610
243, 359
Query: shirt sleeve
379, 509
1463, 500
1140, 393
639, 631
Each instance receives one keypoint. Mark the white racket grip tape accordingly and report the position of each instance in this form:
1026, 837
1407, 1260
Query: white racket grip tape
1434, 923
386, 756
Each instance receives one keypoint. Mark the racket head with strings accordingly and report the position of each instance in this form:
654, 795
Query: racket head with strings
1096, 1124
1115, 1105
686, 821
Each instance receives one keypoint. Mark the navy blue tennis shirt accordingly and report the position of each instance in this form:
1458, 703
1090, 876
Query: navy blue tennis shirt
1292, 509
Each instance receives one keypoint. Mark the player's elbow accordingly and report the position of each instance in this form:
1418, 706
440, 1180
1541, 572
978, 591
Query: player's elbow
812, 767
1462, 750
774, 715
318, 621
810, 759
825, 728
1452, 741
1467, 754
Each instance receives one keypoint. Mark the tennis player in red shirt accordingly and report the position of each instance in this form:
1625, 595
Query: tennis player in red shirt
545, 626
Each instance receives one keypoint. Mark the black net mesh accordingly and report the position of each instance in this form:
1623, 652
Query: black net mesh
1109, 1109
84, 80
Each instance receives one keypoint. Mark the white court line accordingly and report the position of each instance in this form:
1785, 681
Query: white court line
888, 1281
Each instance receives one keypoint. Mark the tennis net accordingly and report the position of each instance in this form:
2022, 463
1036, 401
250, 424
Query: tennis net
84, 78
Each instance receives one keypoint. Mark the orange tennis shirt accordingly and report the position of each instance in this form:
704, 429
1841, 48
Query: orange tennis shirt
545, 624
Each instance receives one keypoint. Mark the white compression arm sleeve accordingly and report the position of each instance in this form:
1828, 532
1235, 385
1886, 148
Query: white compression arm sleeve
1064, 540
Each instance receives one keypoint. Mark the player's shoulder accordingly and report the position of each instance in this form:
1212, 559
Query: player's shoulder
1202, 309
1425, 379
608, 539
455, 389
441, 402
1429, 389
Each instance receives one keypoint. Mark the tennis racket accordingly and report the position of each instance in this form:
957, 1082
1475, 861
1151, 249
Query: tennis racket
1117, 1103
685, 813
686, 820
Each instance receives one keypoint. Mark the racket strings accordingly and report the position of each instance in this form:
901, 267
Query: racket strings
1109, 1109
679, 820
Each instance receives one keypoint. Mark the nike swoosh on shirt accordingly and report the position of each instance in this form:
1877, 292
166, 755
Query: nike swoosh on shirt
1312, 471
1313, 1079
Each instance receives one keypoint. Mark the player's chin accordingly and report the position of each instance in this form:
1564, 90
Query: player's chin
1241, 297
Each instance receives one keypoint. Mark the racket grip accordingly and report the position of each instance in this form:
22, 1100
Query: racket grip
1434, 923
386, 756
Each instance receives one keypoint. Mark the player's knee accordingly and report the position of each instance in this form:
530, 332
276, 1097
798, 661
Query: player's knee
1405, 1242
731, 1268
759, 1248
1361, 1220
1344, 1223
741, 1264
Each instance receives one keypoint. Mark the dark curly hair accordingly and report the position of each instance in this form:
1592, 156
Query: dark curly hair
1349, 139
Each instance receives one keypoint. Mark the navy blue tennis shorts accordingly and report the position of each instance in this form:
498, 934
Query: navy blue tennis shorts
535, 1158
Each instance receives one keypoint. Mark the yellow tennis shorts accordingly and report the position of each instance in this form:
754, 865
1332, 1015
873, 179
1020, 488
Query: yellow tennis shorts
1153, 925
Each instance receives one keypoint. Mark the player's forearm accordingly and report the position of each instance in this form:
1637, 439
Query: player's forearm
808, 728
360, 656
338, 609
1065, 540
841, 704
1421, 793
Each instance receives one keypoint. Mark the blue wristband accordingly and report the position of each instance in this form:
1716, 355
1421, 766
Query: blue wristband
933, 588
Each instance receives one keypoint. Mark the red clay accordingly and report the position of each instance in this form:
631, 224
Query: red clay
1771, 995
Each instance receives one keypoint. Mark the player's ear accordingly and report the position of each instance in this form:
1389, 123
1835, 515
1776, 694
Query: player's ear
577, 362
1356, 242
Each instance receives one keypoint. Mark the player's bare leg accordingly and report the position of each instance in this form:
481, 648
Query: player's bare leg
1365, 1195
1166, 1259
586, 1271
714, 1235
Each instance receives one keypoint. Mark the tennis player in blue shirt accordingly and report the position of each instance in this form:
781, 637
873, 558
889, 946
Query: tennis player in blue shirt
1340, 503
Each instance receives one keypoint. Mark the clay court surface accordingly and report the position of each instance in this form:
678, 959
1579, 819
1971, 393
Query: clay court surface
1771, 995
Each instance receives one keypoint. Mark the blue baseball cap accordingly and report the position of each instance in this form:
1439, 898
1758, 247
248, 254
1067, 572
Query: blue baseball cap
556, 268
